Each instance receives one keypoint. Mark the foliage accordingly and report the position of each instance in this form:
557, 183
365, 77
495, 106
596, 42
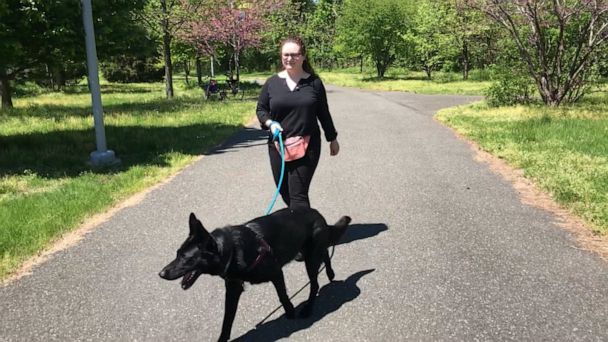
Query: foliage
560, 41
130, 69
373, 28
43, 39
432, 42
321, 31
229, 24
510, 87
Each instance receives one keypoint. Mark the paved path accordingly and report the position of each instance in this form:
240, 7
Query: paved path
440, 249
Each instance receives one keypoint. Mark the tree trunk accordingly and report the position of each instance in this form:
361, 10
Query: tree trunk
465, 61
59, 78
199, 71
5, 92
361, 66
380, 68
167, 51
187, 71
168, 66
428, 70
237, 67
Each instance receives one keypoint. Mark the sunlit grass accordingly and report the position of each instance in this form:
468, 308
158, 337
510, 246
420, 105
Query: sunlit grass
415, 82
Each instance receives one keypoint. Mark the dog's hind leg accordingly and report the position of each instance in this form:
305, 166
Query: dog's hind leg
279, 285
312, 268
328, 269
234, 288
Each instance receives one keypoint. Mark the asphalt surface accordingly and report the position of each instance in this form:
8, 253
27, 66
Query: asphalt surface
440, 249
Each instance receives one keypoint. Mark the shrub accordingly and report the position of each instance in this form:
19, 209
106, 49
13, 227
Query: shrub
510, 87
127, 69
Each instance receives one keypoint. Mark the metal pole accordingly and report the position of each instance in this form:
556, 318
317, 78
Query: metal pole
212, 74
103, 156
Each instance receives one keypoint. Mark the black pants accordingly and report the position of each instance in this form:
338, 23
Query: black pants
298, 174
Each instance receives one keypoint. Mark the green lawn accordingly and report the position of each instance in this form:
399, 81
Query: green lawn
46, 185
414, 82
563, 150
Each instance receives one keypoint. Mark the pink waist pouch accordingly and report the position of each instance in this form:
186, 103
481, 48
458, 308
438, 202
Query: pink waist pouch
295, 147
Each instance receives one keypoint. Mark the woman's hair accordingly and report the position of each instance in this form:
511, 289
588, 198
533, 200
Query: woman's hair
297, 40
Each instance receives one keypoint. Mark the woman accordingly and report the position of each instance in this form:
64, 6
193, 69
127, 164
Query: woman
291, 102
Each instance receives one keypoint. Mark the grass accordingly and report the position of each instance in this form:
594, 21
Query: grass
563, 150
46, 185
408, 81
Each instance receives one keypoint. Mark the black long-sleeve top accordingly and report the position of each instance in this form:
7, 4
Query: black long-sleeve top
297, 111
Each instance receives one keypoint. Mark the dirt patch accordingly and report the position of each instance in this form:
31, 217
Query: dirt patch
73, 237
530, 194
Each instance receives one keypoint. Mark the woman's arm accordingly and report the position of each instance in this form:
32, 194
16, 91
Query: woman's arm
323, 113
263, 107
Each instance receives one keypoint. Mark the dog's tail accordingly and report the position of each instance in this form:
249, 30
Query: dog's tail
338, 229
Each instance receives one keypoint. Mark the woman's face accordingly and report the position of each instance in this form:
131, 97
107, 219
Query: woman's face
291, 58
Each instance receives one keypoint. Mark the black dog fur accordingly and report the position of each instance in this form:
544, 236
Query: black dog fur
255, 252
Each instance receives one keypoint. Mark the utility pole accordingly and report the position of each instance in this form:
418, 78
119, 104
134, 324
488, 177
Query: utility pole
102, 157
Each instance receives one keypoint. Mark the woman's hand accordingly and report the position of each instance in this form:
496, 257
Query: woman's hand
334, 147
274, 127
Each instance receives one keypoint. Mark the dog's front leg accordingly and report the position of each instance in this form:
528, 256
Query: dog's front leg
279, 285
234, 288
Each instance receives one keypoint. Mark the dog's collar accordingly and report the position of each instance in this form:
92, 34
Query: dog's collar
262, 250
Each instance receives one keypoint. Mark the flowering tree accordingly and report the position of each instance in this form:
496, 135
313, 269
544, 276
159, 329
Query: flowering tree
559, 40
237, 25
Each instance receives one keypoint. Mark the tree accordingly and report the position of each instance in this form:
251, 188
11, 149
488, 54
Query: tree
559, 41
430, 36
321, 31
373, 28
471, 32
36, 35
165, 19
235, 25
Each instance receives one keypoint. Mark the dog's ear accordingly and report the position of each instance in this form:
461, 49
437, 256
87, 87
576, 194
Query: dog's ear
196, 227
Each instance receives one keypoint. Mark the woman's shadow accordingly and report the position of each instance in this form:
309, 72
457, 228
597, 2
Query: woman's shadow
330, 298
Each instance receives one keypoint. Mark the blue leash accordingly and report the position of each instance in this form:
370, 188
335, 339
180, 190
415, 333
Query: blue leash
276, 193
274, 199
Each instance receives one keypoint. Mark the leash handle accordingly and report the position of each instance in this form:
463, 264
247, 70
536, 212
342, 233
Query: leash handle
277, 133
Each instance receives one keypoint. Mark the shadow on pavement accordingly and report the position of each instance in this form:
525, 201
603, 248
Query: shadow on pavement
361, 231
242, 139
331, 297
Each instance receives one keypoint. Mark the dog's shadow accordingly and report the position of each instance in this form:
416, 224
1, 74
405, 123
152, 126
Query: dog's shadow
331, 297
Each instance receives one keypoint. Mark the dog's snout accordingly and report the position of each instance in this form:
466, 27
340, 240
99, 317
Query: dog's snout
163, 274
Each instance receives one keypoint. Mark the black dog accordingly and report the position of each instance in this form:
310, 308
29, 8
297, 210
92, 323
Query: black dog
255, 252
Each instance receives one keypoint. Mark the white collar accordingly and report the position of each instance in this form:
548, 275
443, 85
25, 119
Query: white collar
292, 84
284, 74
